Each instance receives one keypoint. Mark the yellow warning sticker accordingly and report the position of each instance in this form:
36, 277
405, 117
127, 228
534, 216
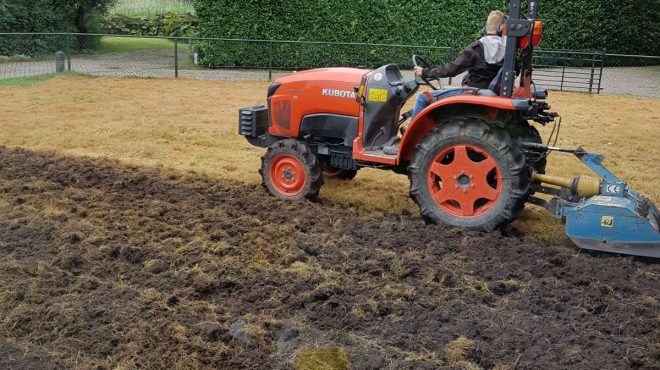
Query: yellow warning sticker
377, 95
607, 221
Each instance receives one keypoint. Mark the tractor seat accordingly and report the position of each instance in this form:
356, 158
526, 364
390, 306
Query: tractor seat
496, 83
494, 86
468, 90
492, 90
486, 92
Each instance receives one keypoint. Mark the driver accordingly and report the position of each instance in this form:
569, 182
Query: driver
482, 60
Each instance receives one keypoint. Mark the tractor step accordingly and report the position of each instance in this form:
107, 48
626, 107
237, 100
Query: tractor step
379, 153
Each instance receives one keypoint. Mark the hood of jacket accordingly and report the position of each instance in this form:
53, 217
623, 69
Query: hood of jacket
493, 48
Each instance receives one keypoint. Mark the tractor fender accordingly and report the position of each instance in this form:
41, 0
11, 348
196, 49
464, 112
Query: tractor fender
427, 119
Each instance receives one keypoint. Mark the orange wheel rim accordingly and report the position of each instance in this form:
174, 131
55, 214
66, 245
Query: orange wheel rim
328, 169
287, 175
331, 171
464, 181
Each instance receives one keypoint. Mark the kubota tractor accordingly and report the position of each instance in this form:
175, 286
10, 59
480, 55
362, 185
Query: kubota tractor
473, 159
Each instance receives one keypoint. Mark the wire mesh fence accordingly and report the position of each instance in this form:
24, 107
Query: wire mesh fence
29, 54
199, 58
637, 75
597, 72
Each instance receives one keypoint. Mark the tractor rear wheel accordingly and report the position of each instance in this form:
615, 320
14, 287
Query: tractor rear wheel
521, 130
470, 174
290, 170
331, 172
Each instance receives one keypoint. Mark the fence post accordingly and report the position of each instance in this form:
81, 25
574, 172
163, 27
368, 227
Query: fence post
67, 50
59, 61
176, 57
270, 60
451, 58
600, 74
563, 73
366, 54
591, 77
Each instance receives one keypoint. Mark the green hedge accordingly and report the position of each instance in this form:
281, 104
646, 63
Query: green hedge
166, 24
611, 25
292, 55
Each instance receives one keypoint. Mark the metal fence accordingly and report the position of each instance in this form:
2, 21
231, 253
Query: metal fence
568, 70
596, 72
29, 54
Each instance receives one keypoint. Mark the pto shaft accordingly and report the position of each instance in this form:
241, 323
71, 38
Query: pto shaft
582, 186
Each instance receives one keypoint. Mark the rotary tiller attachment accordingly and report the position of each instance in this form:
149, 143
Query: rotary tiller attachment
603, 213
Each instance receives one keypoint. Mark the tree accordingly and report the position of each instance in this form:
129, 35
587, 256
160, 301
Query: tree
52, 15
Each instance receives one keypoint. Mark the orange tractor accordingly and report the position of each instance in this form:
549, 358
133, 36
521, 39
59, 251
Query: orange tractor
474, 159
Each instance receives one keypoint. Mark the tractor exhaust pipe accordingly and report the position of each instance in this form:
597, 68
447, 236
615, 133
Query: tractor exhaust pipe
582, 186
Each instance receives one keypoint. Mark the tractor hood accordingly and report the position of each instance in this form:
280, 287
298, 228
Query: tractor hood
351, 75
316, 95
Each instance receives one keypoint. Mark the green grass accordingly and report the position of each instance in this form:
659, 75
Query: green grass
151, 7
14, 58
111, 44
34, 80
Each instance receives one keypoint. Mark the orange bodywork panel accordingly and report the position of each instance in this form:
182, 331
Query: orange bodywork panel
325, 90
524, 91
426, 120
332, 91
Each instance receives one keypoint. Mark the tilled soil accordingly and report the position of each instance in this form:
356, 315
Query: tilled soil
104, 266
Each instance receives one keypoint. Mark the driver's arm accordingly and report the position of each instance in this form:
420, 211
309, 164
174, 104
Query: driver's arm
452, 69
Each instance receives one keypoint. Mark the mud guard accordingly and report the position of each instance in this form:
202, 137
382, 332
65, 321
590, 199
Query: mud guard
426, 120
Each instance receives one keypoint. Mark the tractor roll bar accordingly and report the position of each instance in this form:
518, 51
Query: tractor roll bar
517, 27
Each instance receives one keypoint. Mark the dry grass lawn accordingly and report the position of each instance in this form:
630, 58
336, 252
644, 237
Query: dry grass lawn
191, 125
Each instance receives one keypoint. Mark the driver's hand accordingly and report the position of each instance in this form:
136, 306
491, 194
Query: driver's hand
418, 71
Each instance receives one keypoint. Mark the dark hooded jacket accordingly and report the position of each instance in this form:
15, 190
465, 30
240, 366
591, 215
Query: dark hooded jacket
482, 60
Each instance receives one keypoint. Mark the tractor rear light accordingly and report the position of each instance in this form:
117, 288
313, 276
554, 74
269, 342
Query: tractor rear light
537, 34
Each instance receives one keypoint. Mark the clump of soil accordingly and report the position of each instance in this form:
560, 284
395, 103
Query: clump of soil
106, 266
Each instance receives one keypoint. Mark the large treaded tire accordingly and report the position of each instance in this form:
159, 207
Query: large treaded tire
494, 141
523, 131
307, 168
538, 160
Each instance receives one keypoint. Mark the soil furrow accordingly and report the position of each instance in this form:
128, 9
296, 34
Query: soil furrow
105, 265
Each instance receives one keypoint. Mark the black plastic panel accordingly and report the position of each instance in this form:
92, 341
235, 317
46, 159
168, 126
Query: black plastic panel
385, 95
330, 126
343, 161
272, 88
253, 121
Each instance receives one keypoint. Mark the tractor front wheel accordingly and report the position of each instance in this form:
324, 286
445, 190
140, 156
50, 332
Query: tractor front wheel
470, 174
290, 170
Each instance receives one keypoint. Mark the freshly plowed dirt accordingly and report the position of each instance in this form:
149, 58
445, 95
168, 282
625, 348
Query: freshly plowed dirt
106, 266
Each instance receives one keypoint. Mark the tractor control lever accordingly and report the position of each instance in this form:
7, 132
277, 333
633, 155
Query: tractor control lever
410, 85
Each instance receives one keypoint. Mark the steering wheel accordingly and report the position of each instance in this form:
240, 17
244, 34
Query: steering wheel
420, 62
